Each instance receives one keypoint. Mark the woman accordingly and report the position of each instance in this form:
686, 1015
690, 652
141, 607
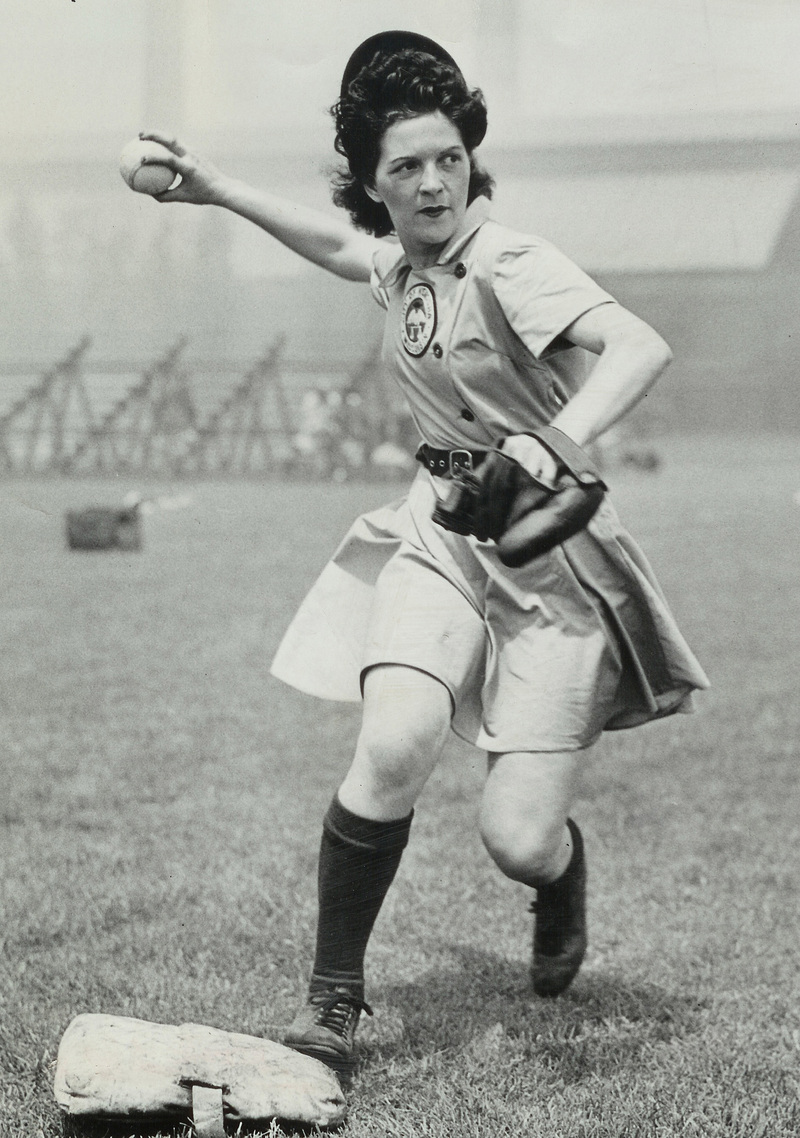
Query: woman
485, 330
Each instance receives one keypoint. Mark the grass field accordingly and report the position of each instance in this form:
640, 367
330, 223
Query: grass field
162, 798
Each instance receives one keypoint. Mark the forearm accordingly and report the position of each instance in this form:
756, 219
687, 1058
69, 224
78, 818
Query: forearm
623, 374
324, 240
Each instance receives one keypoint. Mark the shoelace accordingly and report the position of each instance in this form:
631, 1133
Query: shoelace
338, 1009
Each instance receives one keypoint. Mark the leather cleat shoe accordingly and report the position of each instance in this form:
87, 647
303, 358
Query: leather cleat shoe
325, 1029
560, 935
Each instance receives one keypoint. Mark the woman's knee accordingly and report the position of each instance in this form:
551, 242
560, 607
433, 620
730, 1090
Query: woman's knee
524, 847
391, 765
524, 809
405, 724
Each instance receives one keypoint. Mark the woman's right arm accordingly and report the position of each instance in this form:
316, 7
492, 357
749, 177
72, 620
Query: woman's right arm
325, 240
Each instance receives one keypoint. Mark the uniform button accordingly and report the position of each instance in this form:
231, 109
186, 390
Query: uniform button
460, 270
467, 414
437, 351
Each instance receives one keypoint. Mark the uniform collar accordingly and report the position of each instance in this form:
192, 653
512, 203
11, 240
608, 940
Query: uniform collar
476, 214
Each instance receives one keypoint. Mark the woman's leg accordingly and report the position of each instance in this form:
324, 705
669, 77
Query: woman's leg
525, 826
405, 724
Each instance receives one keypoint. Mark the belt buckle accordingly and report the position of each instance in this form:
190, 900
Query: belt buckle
460, 460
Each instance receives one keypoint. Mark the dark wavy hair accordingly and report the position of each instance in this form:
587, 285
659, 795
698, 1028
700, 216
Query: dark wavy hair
394, 87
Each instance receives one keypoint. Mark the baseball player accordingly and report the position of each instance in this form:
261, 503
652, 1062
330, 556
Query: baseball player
486, 333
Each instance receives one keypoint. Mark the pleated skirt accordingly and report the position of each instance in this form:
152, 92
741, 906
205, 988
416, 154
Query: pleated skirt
541, 658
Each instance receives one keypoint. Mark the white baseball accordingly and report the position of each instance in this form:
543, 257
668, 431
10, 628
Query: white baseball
149, 179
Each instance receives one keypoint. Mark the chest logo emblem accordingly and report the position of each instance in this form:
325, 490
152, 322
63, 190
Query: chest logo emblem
418, 322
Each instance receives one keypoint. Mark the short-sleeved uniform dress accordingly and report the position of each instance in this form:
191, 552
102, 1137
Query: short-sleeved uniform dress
539, 658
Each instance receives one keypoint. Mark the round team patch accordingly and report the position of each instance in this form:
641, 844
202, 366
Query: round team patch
418, 322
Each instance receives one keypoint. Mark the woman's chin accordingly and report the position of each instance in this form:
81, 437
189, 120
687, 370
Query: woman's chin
436, 222
432, 233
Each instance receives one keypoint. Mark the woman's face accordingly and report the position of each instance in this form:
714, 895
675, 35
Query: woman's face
422, 178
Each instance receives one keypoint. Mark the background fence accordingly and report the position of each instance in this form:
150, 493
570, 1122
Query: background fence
183, 418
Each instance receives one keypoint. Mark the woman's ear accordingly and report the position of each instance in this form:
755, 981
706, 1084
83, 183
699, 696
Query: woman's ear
371, 192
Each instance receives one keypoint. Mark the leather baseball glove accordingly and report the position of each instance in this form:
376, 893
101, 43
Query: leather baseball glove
502, 502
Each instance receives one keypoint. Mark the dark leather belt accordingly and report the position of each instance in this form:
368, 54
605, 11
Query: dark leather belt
447, 463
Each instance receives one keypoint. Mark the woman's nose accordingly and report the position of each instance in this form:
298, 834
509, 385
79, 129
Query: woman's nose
431, 180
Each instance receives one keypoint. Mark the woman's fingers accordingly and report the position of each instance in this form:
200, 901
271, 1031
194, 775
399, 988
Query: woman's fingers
167, 140
199, 179
529, 453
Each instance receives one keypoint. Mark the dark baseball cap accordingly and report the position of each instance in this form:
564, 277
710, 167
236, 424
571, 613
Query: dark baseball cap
388, 43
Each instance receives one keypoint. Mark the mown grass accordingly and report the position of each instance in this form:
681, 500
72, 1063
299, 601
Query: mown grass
162, 796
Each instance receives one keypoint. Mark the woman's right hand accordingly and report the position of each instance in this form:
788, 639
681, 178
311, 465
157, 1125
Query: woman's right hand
200, 183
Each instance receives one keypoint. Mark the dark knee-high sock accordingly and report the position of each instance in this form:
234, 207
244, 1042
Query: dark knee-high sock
357, 863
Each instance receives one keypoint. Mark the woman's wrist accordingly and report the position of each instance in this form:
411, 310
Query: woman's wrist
228, 193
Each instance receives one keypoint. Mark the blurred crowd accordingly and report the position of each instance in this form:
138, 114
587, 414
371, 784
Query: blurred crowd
337, 439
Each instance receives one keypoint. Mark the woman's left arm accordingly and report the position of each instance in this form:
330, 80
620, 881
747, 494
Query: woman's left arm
631, 358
